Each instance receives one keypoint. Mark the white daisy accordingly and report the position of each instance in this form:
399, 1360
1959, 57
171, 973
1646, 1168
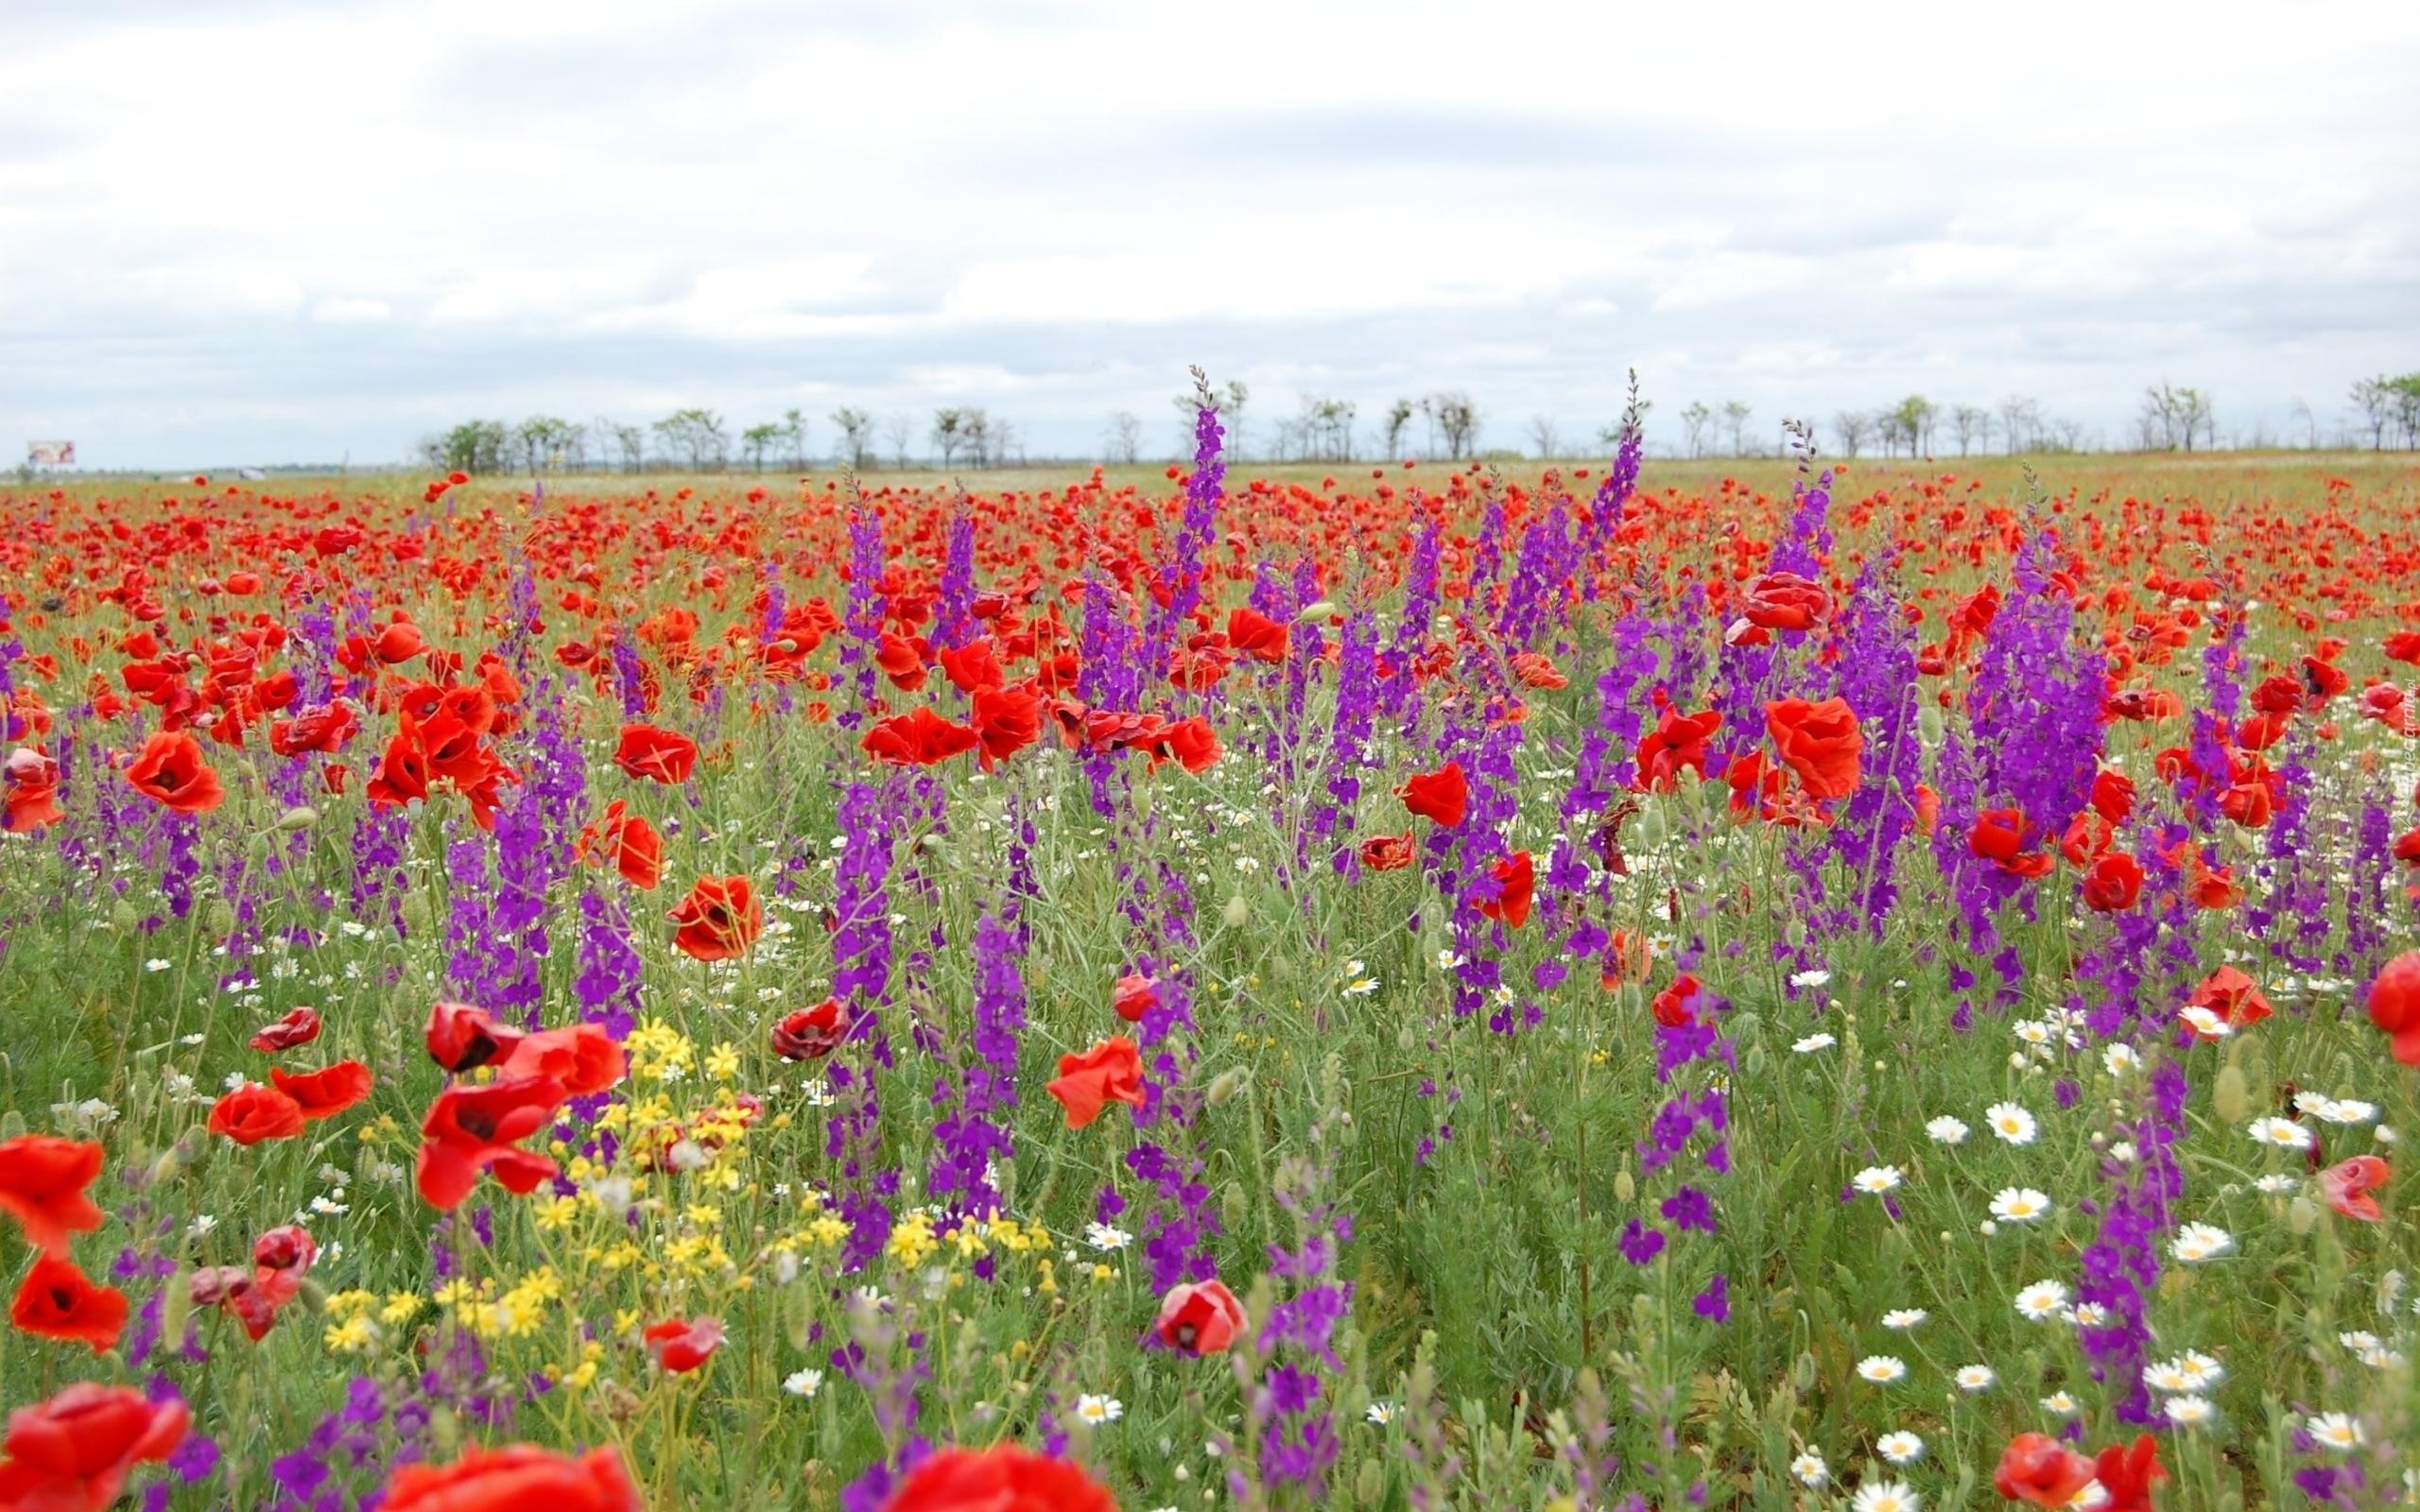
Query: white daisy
2277, 1184
1381, 1413
1100, 1410
2201, 1371
1877, 1179
2012, 1123
2020, 1204
2088, 1315
2198, 1242
1904, 1317
1102, 1236
1811, 1471
1901, 1448
2120, 1059
804, 1384
2060, 1404
1975, 1378
2043, 1301
2282, 1132
2191, 1411
2204, 1023
1886, 1495
1814, 978
2338, 1431
1947, 1130
2167, 1375
1882, 1369
1814, 1042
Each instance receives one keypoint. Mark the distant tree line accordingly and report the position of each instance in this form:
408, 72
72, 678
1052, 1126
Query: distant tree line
2390, 409
700, 440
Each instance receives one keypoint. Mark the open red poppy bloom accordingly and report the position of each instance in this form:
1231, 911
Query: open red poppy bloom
718, 920
2393, 1003
1516, 883
1008, 1477
810, 1034
1110, 1072
2128, 1473
298, 1029
2001, 837
516, 1479
1192, 743
657, 755
169, 770
42, 1181
584, 1057
471, 1129
1442, 797
1387, 853
2038, 1469
1820, 742
1676, 1006
1135, 996
922, 738
2347, 1185
77, 1450
974, 667
629, 842
1677, 743
1779, 601
252, 1113
2114, 882
58, 1301
1006, 721
1199, 1317
324, 1093
31, 782
2113, 796
1256, 635
462, 1037
2233, 997
681, 1346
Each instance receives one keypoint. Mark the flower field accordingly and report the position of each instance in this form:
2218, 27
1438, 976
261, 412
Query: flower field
1418, 988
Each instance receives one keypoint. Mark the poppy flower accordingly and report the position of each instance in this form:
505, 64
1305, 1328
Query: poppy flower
902, 660
922, 738
1818, 741
1533, 669
2347, 1184
2113, 796
2393, 1002
1135, 996
2128, 1475
2038, 1469
1110, 1072
471, 1129
1778, 601
1199, 1317
1256, 635
1386, 852
2000, 837
170, 771
298, 1029
2233, 997
324, 1093
514, 1478
974, 667
681, 1346
1516, 883
584, 1057
1008, 1477
1192, 743
630, 842
462, 1037
42, 1179
1006, 721
31, 780
1442, 797
1677, 743
289, 1251
2114, 882
718, 920
402, 776
1675, 1008
58, 1301
810, 1034
76, 1451
658, 755
252, 1113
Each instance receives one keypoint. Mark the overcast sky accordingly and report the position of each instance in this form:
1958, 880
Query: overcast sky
261, 231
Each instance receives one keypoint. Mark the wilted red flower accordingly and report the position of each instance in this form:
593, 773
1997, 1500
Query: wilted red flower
2393, 1002
810, 1034
663, 756
2347, 1184
1818, 741
252, 1113
298, 1029
1387, 853
1008, 1477
43, 1181
1442, 797
1110, 1072
922, 738
471, 1129
2114, 882
1534, 670
59, 1301
1199, 1317
2038, 1469
1517, 880
462, 1037
718, 920
515, 1479
74, 1453
169, 770
627, 840
681, 1346
324, 1093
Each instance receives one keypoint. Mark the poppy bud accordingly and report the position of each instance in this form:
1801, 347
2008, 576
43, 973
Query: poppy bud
1312, 613
299, 817
1929, 723
123, 917
1653, 828
222, 917
1625, 1186
1369, 1483
1227, 1084
2230, 1099
1802, 1373
799, 1316
165, 1168
13, 1125
1233, 1206
1238, 912
1754, 1062
2301, 1215
444, 1431
176, 1308
416, 911
312, 1297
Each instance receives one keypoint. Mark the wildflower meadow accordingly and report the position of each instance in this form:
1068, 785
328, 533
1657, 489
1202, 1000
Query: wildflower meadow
1413, 986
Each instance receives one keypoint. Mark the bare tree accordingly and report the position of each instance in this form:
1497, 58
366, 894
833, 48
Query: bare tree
1734, 420
2375, 397
1458, 419
2174, 417
2020, 422
1398, 417
1697, 424
794, 432
1544, 435
695, 436
899, 428
1123, 440
629, 440
1850, 428
857, 435
2299, 417
1969, 422
1891, 429
949, 434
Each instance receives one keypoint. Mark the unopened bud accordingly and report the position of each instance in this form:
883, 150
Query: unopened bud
2301, 1215
1238, 912
1313, 613
1228, 1083
1369, 1483
300, 817
2230, 1099
176, 1309
313, 1296
222, 917
1233, 1206
1929, 723
123, 917
1625, 1187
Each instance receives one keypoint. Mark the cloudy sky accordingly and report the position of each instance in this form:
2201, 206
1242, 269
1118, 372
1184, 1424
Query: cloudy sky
261, 231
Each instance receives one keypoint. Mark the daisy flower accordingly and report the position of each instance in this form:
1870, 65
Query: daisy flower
2189, 1411
2020, 1204
1886, 1495
804, 1384
2338, 1431
1811, 1471
1902, 1448
2202, 1372
2282, 1132
1877, 1179
2169, 1376
1904, 1317
1380, 1413
2088, 1315
1814, 978
2205, 1023
1814, 1042
1975, 1378
2011, 1122
2060, 1404
1098, 1410
2119, 1059
2043, 1301
1947, 1130
1882, 1369
2198, 1242
2277, 1184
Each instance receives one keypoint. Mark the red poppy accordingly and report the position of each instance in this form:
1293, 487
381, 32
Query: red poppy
1517, 882
1820, 742
971, 668
74, 1453
681, 1346
2114, 882
2347, 1184
810, 1034
514, 1479
659, 755
922, 738
32, 782
629, 842
1006, 721
1192, 743
252, 1112
583, 1058
1110, 1072
462, 1037
2404, 646
1533, 670
2394, 1006
42, 1179
718, 920
1442, 797
288, 1250
2233, 997
169, 770
1199, 1317
1133, 997
2128, 1475
902, 660
1675, 1008
324, 1093
1008, 1477
2038, 1469
1778, 601
323, 728
471, 1129
298, 1029
1676, 743
402, 771
1386, 852
1256, 635
2406, 848
2000, 837
58, 1301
